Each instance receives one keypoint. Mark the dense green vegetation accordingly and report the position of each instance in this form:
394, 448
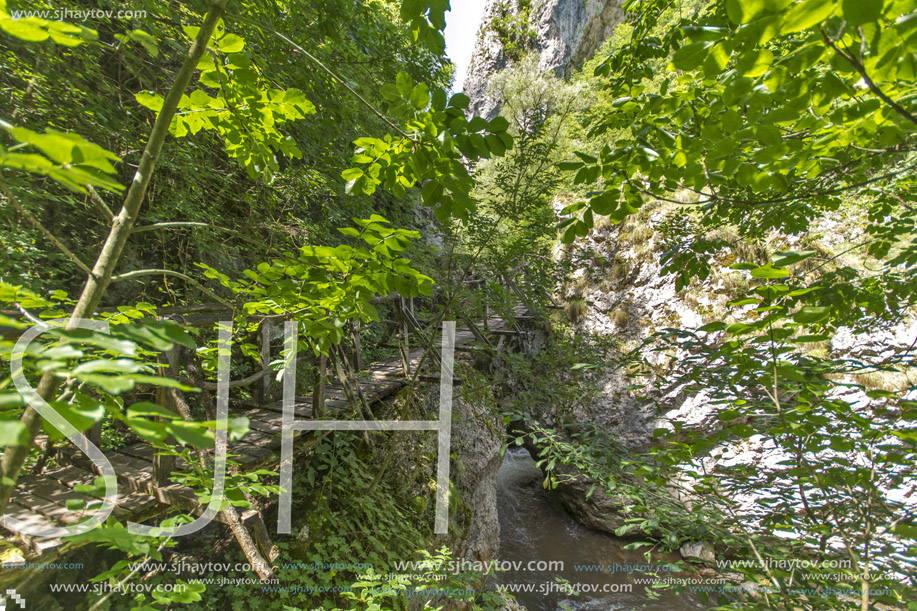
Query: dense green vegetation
297, 160
752, 123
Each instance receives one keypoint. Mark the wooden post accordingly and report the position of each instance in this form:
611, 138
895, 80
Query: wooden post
318, 387
352, 377
95, 433
357, 351
265, 360
164, 464
403, 343
336, 358
486, 308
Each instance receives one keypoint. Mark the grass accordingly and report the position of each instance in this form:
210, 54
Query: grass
891, 381
620, 317
620, 270
735, 283
576, 309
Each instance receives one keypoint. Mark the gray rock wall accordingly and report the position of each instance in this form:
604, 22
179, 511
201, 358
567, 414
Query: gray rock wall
568, 32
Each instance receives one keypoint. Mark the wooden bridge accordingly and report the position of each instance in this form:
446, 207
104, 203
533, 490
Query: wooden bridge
145, 489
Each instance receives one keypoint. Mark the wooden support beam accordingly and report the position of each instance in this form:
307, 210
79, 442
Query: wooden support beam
265, 361
403, 338
474, 329
357, 351
95, 433
352, 377
252, 519
422, 377
163, 465
351, 398
318, 387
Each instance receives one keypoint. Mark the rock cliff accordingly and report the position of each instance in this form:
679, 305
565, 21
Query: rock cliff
563, 33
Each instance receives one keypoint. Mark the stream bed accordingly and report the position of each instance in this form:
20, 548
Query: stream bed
534, 527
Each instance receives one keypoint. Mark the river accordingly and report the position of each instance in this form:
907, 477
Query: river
534, 527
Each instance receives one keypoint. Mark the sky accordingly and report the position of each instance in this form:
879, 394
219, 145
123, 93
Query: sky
462, 24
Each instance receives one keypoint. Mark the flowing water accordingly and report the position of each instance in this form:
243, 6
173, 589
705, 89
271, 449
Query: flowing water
534, 527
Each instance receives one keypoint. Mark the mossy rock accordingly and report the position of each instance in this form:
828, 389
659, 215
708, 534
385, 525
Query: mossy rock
10, 554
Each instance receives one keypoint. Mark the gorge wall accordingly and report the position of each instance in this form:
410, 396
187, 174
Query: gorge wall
563, 33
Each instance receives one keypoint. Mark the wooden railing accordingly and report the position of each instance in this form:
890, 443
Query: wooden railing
343, 360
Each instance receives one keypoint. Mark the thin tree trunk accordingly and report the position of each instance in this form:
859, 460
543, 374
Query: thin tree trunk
121, 227
261, 566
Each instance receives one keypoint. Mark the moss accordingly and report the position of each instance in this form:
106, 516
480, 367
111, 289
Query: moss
513, 27
575, 309
735, 284
602, 223
620, 270
620, 317
641, 233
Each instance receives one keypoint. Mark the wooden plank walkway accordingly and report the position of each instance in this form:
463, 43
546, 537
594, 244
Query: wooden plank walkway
42, 499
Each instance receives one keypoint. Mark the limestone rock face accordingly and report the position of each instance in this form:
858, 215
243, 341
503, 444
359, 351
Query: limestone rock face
567, 33
698, 551
476, 441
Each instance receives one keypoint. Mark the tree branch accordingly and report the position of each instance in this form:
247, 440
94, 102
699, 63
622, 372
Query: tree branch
99, 277
869, 83
138, 273
37, 224
318, 63
179, 224
100, 204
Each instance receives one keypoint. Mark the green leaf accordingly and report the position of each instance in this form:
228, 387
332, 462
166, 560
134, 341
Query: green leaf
191, 433
150, 409
405, 84
82, 414
811, 314
150, 99
803, 339
109, 365
231, 44
906, 529
13, 432
742, 430
858, 12
713, 326
744, 11
690, 57
498, 124
783, 259
459, 100
769, 272
806, 14
420, 96
351, 174
160, 335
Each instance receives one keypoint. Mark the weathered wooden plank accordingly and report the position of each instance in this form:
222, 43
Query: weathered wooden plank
50, 500
247, 454
262, 440
300, 409
146, 453
135, 473
31, 518
42, 500
265, 420
69, 476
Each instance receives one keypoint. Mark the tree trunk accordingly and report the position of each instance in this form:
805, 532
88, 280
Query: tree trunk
122, 225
